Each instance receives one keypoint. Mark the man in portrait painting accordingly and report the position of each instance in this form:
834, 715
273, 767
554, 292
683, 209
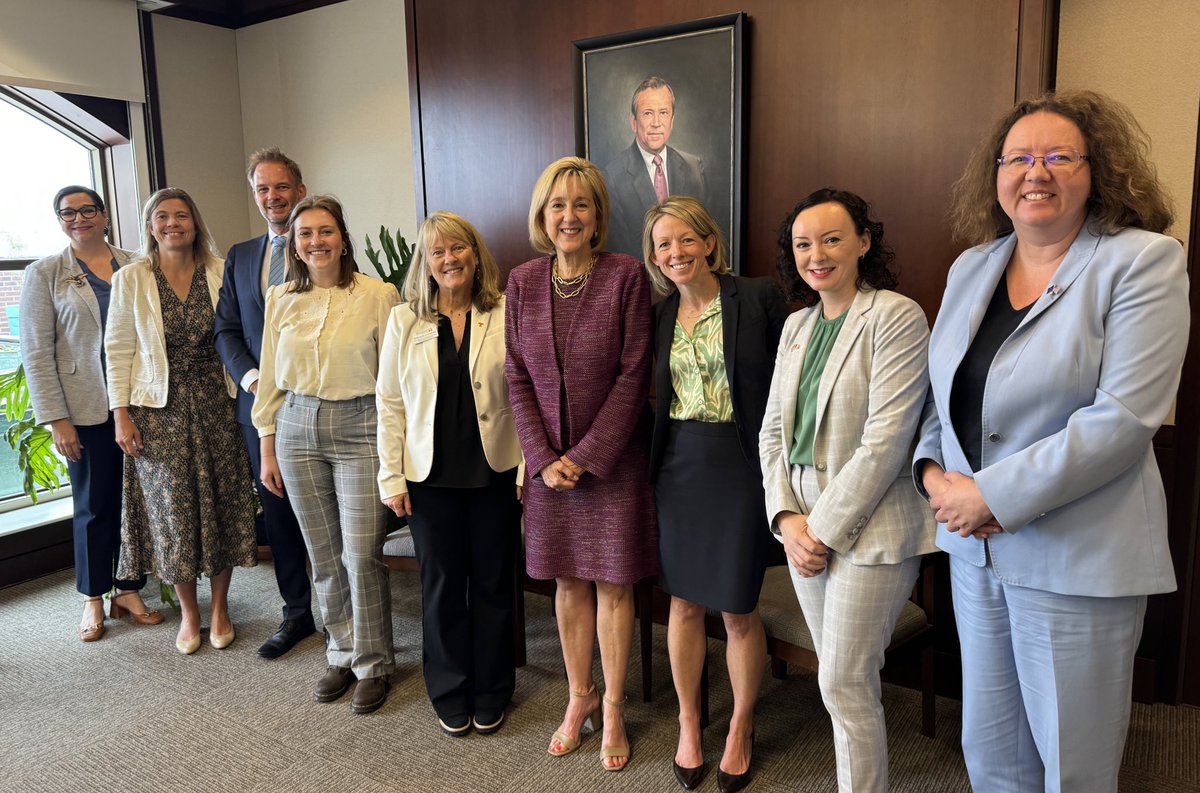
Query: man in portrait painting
649, 170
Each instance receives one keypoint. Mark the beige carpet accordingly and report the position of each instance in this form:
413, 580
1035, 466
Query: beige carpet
129, 714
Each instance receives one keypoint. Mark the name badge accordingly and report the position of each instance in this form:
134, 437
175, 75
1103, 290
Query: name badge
425, 336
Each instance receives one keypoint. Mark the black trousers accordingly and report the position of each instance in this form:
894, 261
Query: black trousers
96, 495
466, 543
283, 534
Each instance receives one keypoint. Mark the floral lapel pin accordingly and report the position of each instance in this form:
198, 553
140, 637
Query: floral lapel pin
77, 280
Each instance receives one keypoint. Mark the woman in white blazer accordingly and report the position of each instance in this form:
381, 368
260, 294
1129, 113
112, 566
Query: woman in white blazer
64, 308
1054, 359
846, 396
188, 508
450, 462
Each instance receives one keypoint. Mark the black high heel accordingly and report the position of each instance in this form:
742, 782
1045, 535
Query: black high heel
689, 778
732, 783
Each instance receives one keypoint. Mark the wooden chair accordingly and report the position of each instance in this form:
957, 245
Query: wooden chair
788, 639
399, 553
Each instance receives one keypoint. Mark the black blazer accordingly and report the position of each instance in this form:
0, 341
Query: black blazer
753, 312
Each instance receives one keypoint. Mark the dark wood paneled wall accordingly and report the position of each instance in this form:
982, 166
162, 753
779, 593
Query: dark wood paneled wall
878, 97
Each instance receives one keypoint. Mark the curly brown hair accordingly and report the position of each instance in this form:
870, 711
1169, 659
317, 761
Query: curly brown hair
1125, 187
876, 267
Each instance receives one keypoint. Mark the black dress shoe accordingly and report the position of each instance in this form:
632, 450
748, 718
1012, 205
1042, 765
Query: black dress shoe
732, 783
689, 778
333, 684
369, 695
487, 722
289, 633
455, 726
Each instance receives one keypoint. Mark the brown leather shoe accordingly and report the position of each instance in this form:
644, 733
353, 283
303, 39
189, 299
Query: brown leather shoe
133, 600
93, 632
369, 695
335, 682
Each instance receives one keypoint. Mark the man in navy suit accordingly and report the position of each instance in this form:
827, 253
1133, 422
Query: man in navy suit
649, 170
251, 267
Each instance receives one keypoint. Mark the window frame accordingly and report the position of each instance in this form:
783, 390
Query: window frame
67, 118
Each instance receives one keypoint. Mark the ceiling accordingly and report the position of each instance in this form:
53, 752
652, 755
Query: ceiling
231, 13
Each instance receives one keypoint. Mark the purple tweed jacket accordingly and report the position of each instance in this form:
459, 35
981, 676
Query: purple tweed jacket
606, 374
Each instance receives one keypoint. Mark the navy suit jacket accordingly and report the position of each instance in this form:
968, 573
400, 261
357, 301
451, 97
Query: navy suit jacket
753, 313
238, 326
631, 193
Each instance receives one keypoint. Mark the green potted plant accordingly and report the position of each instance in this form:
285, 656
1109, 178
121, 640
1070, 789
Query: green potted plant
40, 467
398, 255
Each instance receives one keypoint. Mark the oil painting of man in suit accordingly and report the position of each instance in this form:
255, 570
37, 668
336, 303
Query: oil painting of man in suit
649, 170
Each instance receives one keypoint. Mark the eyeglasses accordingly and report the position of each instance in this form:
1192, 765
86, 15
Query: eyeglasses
1064, 160
87, 212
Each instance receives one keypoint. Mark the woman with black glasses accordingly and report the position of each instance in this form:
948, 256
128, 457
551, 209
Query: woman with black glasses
64, 308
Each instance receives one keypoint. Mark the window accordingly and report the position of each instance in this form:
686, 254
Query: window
38, 155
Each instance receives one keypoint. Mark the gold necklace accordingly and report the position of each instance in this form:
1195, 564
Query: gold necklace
567, 288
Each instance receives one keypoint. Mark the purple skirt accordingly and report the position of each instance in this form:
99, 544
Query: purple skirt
603, 530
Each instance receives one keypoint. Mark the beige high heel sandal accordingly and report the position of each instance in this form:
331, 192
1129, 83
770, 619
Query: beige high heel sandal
616, 750
592, 723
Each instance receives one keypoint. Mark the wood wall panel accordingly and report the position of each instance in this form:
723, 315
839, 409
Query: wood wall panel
883, 98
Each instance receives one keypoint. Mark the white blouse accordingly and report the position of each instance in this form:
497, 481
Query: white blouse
323, 343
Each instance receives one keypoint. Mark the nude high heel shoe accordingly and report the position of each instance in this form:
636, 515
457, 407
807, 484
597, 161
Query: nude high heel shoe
593, 723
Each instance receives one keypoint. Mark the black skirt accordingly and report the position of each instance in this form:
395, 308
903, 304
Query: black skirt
714, 542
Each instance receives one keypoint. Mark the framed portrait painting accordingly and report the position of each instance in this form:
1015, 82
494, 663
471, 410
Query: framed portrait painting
660, 111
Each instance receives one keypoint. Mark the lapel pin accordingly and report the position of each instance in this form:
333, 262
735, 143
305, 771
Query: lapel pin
1054, 289
795, 348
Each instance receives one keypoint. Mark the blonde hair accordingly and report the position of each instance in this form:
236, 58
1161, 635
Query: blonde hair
693, 214
420, 290
1125, 188
559, 170
204, 250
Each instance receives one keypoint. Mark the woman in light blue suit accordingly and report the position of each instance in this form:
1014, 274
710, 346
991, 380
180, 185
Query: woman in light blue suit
450, 461
64, 308
1053, 361
846, 397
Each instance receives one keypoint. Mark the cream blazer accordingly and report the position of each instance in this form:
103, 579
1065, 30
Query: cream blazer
134, 341
406, 397
869, 404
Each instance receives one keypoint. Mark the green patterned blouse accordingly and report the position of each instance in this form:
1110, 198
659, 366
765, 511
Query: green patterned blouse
698, 370
820, 344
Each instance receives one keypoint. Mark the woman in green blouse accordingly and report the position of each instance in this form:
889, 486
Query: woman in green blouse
715, 340
845, 400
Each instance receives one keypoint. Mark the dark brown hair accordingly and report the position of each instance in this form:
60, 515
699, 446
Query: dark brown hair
875, 268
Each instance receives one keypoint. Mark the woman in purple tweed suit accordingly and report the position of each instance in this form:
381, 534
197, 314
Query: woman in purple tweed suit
578, 342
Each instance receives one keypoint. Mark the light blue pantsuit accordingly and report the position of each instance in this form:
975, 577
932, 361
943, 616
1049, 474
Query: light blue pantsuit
1044, 707
1050, 609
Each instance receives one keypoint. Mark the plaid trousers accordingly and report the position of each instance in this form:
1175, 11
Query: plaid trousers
328, 458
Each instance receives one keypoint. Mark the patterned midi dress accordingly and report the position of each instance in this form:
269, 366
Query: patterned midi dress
189, 501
